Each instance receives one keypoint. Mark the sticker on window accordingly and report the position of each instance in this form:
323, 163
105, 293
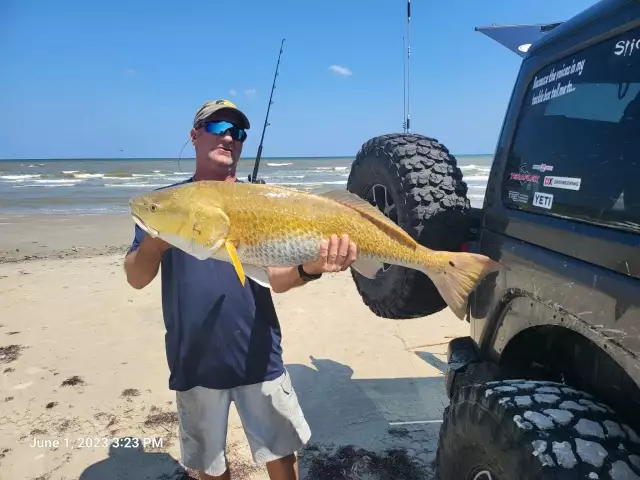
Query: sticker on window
561, 87
518, 197
543, 200
567, 183
626, 48
524, 177
543, 167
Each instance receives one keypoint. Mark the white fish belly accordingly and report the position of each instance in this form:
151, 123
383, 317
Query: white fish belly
287, 252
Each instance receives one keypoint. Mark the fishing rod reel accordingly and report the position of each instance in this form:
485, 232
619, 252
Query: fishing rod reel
258, 180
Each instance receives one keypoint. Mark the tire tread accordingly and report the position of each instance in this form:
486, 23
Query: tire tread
481, 416
425, 177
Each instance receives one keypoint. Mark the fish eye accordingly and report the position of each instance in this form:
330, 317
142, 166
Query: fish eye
153, 207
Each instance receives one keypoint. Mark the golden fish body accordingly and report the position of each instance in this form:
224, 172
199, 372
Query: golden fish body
256, 226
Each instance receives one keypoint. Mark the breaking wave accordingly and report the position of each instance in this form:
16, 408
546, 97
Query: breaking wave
107, 185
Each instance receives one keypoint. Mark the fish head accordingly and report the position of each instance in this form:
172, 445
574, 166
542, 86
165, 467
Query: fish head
158, 212
179, 218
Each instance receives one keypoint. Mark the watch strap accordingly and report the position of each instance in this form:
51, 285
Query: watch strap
307, 277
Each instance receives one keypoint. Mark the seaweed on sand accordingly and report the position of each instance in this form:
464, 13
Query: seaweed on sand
350, 463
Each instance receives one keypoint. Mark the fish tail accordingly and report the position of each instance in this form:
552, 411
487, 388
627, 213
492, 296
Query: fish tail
457, 276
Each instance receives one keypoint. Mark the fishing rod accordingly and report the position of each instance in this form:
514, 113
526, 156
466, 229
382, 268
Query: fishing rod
254, 178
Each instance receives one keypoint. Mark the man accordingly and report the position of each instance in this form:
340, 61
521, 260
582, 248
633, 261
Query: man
223, 340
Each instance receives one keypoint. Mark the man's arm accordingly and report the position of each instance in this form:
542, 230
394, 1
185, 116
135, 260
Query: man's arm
143, 260
284, 279
336, 255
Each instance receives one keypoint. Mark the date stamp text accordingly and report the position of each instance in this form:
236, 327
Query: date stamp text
96, 442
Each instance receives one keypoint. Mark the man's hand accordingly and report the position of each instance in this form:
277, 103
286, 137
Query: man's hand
160, 245
142, 265
336, 255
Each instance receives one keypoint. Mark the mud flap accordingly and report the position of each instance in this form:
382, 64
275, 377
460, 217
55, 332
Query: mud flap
461, 352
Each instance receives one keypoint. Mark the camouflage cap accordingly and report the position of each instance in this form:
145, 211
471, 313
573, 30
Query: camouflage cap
208, 108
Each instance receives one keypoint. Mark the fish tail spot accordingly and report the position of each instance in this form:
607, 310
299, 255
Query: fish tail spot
461, 274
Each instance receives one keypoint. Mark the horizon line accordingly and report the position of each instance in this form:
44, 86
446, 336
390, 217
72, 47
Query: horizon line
25, 159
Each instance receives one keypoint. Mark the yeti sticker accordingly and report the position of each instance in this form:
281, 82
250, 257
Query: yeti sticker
543, 200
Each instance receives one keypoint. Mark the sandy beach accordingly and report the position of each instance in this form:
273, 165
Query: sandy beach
83, 366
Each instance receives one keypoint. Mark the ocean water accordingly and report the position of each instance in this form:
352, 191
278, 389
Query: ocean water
90, 186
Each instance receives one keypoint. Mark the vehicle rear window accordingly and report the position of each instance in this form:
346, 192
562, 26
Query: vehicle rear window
576, 152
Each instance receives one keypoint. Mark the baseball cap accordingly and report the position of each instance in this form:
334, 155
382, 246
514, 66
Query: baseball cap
208, 108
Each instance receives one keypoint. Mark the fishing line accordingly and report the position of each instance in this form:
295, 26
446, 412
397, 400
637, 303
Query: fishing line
180, 155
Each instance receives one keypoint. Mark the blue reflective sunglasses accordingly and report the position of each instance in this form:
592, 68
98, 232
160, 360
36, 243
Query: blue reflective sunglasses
222, 127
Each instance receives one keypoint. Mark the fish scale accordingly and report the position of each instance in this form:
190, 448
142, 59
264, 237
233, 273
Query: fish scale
294, 223
257, 226
293, 250
299, 222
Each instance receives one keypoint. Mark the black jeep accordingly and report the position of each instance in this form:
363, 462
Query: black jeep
547, 383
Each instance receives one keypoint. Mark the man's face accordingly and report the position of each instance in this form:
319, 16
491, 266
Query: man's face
217, 151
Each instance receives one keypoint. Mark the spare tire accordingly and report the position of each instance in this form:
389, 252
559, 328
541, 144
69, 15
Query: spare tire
415, 182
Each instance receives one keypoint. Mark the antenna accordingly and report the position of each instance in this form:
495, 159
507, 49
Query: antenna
404, 90
253, 178
408, 120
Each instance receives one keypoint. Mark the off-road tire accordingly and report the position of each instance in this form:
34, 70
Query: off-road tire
482, 372
430, 198
525, 430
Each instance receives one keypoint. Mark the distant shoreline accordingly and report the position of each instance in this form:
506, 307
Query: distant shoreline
163, 159
94, 186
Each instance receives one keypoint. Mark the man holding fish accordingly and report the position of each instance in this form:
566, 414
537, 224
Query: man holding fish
223, 338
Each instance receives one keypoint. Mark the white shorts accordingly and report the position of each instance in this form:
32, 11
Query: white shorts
271, 416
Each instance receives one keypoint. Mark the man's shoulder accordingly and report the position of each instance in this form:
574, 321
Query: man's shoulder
189, 180
182, 182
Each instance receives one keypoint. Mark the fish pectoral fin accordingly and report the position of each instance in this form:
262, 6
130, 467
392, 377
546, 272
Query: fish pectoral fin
258, 275
233, 255
367, 267
200, 252
368, 211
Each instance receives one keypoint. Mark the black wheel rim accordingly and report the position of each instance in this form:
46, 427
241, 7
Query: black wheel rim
378, 196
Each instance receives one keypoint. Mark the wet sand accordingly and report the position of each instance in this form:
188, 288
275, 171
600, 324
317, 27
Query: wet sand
28, 237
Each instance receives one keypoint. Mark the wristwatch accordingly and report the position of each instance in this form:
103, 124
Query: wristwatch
307, 277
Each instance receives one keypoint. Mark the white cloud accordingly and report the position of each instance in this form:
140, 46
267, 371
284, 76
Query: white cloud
250, 92
130, 72
340, 70
232, 92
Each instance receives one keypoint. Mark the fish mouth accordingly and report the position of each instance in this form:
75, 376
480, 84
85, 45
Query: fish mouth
151, 231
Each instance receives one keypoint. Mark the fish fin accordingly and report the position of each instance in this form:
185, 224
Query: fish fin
367, 267
233, 255
461, 275
257, 274
370, 212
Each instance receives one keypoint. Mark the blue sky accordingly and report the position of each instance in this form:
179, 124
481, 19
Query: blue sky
86, 79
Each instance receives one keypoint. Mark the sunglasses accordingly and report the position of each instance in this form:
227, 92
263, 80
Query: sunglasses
222, 127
